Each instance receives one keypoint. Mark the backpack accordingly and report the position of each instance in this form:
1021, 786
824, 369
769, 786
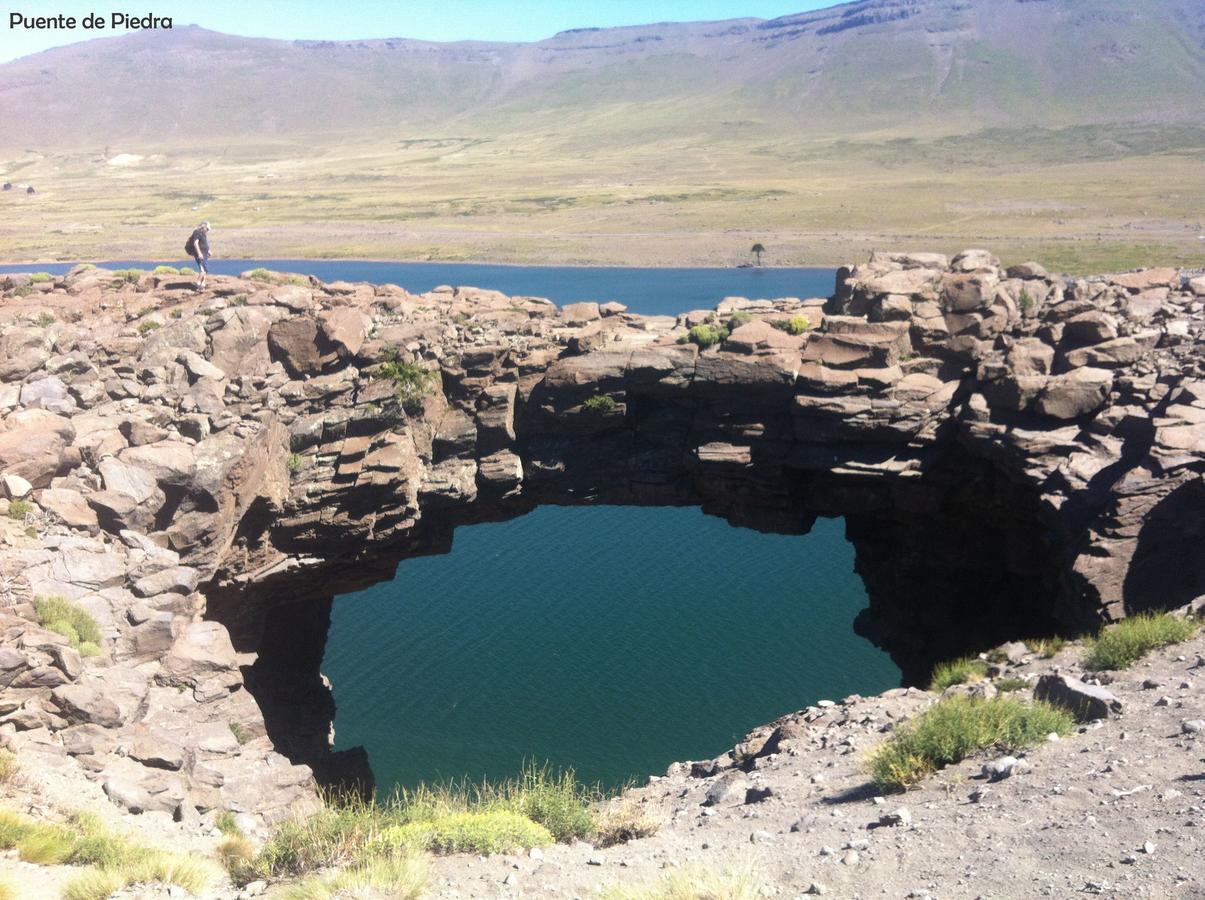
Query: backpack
190, 246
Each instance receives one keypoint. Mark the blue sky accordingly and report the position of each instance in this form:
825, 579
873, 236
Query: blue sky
447, 20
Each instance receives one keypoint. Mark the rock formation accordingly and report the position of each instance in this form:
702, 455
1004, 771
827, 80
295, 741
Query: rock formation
1013, 452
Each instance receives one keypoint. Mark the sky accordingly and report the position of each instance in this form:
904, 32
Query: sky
446, 20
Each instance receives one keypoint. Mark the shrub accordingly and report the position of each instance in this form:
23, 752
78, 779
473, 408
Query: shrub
496, 831
238, 300
957, 671
165, 270
145, 328
798, 324
8, 766
237, 856
129, 276
953, 729
795, 325
412, 380
186, 270
95, 884
88, 649
536, 807
1009, 685
45, 319
1026, 300
260, 275
294, 462
396, 877
40, 277
1046, 648
19, 509
177, 314
239, 732
739, 318
601, 404
706, 336
1120, 646
224, 822
64, 617
623, 821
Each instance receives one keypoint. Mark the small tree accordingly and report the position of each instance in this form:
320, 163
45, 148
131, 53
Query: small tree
757, 250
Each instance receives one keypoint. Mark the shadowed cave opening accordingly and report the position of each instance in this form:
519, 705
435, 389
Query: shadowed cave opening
954, 562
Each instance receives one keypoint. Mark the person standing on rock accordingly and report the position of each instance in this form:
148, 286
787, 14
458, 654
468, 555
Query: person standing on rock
198, 248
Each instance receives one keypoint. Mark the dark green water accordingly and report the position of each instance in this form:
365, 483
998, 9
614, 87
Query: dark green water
611, 639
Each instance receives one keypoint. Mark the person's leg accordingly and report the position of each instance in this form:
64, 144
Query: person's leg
202, 270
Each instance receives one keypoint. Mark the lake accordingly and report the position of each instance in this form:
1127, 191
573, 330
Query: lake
647, 291
612, 639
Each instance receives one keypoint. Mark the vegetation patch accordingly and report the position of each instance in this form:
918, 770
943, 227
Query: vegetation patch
957, 671
795, 325
537, 807
705, 336
145, 328
395, 877
601, 404
129, 276
1046, 648
239, 732
45, 319
115, 862
8, 766
165, 270
411, 380
19, 509
739, 318
953, 729
40, 277
260, 275
63, 617
1121, 645
1010, 685
294, 462
623, 821
493, 831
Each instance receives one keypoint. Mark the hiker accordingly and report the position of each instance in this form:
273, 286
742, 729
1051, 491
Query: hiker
198, 248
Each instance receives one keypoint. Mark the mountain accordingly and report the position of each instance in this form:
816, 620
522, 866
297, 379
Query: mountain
901, 65
1073, 130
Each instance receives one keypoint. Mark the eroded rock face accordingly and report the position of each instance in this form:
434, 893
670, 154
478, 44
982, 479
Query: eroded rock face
1012, 452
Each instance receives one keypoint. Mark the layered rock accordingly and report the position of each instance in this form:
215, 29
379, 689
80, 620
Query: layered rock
1013, 452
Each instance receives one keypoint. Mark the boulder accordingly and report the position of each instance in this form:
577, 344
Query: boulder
71, 507
83, 704
580, 313
1085, 701
1078, 393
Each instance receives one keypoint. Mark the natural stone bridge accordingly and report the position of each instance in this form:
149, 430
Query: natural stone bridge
1014, 453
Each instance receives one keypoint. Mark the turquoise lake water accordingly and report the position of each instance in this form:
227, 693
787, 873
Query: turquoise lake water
648, 291
611, 639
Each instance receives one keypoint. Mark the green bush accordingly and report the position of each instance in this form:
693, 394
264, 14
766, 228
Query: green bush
45, 319
186, 270
19, 509
1026, 300
129, 276
145, 328
496, 831
957, 671
1120, 646
739, 318
705, 336
294, 462
798, 324
412, 380
165, 270
40, 277
261, 275
239, 732
601, 404
953, 729
64, 617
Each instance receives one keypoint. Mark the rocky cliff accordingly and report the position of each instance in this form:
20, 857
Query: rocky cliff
1013, 453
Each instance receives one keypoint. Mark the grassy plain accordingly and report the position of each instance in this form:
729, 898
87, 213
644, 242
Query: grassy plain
1085, 199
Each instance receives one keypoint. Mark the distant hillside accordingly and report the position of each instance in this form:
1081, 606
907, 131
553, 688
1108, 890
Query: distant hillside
908, 66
